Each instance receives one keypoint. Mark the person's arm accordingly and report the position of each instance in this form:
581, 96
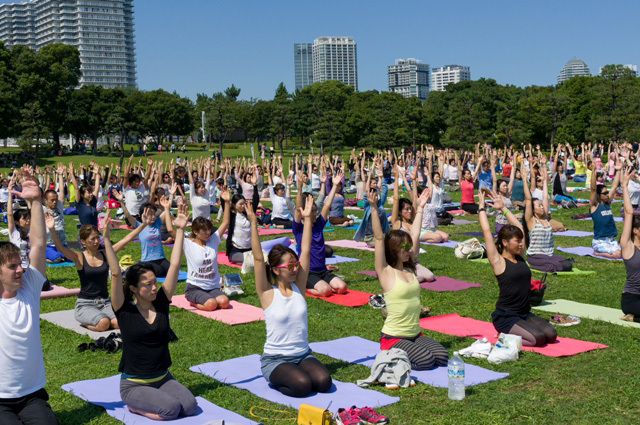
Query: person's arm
512, 176
10, 222
117, 291
380, 259
127, 170
37, 233
166, 203
417, 222
545, 189
296, 216
226, 218
171, 280
74, 256
626, 237
616, 180
495, 259
478, 168
147, 172
593, 195
528, 199
326, 207
147, 220
263, 286
74, 183
305, 246
60, 172
396, 202
494, 179
96, 183
120, 198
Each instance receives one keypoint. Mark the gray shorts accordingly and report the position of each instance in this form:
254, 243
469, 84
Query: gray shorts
197, 295
268, 362
91, 311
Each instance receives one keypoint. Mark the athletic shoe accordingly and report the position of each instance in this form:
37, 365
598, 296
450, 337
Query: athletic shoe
377, 301
369, 416
348, 417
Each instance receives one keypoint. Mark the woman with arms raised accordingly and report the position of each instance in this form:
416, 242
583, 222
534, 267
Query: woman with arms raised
630, 244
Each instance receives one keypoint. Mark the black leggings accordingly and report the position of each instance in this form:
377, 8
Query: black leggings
298, 380
160, 267
424, 353
470, 208
282, 222
31, 409
630, 304
535, 332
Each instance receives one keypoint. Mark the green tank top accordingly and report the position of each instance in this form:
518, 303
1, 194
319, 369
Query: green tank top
403, 309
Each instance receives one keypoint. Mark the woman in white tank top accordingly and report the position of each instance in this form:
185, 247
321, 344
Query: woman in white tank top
287, 362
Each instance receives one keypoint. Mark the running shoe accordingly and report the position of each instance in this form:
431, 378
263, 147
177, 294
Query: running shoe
369, 416
348, 417
377, 301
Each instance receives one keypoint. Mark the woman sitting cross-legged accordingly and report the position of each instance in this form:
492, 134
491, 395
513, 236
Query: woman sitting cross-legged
395, 255
142, 308
604, 241
93, 308
287, 362
513, 311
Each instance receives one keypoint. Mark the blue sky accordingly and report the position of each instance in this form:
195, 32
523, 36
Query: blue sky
194, 46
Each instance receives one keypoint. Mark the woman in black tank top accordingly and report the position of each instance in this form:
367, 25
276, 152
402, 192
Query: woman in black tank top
513, 312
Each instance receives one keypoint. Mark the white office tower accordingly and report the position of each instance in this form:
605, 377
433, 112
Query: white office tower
409, 77
335, 58
573, 68
448, 74
102, 30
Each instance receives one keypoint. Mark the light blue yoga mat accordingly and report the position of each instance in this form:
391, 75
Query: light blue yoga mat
354, 349
63, 264
182, 275
105, 393
340, 259
244, 372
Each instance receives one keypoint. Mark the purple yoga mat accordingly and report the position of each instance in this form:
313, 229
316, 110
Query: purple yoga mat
448, 284
105, 393
575, 233
617, 219
340, 259
448, 244
244, 372
584, 251
354, 349
461, 221
476, 234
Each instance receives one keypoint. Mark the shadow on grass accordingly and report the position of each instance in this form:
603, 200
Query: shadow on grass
80, 415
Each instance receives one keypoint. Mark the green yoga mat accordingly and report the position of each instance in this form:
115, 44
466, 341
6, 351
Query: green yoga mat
575, 271
588, 311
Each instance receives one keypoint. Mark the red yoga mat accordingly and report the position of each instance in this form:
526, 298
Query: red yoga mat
350, 299
224, 261
236, 314
265, 232
452, 324
59, 292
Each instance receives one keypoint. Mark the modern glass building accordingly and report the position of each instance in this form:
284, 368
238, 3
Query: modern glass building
448, 74
409, 77
573, 68
303, 64
335, 58
102, 30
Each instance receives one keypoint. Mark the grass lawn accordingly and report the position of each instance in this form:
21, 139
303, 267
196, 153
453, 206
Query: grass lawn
592, 387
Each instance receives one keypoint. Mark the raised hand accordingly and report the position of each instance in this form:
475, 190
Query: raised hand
181, 219
164, 201
117, 194
498, 204
626, 176
106, 224
251, 215
337, 178
148, 216
173, 189
308, 206
225, 195
49, 221
323, 177
424, 197
30, 186
373, 198
481, 198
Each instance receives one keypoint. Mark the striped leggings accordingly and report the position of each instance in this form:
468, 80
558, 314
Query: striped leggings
424, 353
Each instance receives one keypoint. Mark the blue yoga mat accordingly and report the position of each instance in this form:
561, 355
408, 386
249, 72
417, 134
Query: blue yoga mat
244, 372
105, 393
182, 275
64, 264
354, 349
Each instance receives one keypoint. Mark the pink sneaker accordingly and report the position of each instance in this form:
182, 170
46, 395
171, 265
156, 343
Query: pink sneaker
348, 417
369, 416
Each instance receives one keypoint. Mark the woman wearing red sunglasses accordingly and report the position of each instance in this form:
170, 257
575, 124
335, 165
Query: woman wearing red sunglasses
287, 361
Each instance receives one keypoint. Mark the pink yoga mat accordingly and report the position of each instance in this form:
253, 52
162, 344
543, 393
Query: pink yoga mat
345, 243
371, 273
452, 324
224, 261
448, 284
264, 232
59, 292
457, 212
236, 314
350, 299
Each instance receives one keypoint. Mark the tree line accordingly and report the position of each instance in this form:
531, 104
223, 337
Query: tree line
39, 99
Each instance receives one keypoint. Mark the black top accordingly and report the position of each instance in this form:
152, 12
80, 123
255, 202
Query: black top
145, 347
93, 280
515, 287
88, 214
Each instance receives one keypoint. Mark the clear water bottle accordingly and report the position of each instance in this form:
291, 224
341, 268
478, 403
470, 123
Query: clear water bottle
456, 377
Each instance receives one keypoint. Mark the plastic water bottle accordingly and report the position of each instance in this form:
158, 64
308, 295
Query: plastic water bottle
456, 377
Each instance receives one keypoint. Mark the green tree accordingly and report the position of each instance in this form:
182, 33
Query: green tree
329, 99
471, 114
9, 105
222, 113
281, 116
544, 111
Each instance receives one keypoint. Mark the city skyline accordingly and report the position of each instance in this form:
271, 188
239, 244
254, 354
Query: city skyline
198, 46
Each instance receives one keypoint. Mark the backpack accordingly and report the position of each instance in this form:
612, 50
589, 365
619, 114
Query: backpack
469, 249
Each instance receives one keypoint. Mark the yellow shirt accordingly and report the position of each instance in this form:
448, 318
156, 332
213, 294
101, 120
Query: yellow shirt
403, 309
581, 168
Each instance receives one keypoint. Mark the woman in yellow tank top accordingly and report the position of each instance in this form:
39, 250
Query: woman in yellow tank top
396, 255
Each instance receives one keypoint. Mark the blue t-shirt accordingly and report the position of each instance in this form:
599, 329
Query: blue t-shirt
318, 257
604, 225
88, 214
485, 180
151, 241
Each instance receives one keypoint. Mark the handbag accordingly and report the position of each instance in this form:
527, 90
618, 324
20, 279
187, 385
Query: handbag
311, 415
469, 249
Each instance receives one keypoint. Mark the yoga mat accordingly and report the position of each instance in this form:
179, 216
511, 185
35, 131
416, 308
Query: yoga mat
349, 299
448, 284
105, 393
354, 349
448, 244
371, 273
67, 320
460, 221
267, 245
265, 232
452, 324
182, 275
244, 372
58, 292
353, 208
236, 314
574, 271
345, 243
63, 264
587, 311
340, 259
585, 251
476, 234
575, 233
457, 212
224, 261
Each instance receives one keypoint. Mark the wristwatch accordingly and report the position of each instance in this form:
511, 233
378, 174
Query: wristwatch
481, 209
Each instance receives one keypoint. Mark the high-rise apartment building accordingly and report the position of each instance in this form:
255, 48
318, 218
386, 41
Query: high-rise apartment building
448, 74
335, 58
409, 77
573, 68
303, 64
102, 30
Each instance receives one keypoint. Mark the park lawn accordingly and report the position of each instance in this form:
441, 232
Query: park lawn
592, 387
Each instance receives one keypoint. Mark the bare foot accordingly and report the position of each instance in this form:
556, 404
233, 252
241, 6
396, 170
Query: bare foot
627, 318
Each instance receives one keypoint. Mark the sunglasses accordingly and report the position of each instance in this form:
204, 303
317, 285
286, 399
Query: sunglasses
407, 246
290, 266
604, 193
